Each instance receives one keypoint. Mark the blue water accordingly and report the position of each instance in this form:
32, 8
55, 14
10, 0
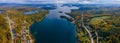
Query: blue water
53, 29
31, 12
1, 11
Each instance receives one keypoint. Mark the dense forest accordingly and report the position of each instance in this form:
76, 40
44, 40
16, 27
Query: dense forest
100, 24
15, 23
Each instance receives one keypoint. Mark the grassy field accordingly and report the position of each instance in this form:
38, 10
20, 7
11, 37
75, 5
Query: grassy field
105, 24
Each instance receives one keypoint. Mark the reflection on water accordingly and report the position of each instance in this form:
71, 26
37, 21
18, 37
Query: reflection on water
1, 11
31, 12
53, 29
55, 13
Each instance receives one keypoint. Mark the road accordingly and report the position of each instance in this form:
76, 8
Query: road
97, 36
10, 27
88, 31
25, 32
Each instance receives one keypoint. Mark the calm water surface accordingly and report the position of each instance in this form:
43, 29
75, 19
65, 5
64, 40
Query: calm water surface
53, 29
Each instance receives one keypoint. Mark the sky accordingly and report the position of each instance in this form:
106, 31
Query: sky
63, 1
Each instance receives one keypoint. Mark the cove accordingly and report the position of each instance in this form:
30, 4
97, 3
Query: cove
53, 29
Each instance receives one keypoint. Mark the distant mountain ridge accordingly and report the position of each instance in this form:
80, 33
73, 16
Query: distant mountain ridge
53, 4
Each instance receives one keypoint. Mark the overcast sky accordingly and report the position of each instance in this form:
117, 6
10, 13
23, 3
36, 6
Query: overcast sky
64, 1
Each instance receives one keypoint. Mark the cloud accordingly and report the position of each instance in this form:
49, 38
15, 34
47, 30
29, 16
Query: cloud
12, 1
86, 2
106, 1
64, 1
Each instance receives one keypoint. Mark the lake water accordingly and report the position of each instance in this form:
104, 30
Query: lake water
53, 29
31, 12
1, 11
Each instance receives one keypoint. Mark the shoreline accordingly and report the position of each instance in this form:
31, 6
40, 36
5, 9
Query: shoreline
19, 24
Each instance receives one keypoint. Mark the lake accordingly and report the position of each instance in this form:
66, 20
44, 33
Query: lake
31, 12
53, 29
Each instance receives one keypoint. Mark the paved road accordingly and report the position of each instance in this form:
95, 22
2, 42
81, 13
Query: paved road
10, 27
97, 36
25, 29
88, 31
